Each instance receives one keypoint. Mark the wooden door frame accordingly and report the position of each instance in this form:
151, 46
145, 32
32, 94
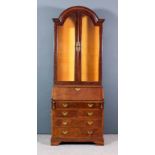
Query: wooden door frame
78, 10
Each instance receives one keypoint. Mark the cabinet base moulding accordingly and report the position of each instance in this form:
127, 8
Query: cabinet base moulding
57, 141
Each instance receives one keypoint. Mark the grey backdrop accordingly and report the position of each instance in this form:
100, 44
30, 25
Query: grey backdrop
48, 9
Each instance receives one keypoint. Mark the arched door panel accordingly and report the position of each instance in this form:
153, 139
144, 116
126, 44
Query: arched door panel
90, 49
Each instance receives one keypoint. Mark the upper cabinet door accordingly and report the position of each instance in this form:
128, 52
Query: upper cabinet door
90, 50
65, 57
78, 44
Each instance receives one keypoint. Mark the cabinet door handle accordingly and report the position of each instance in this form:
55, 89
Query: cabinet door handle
90, 113
65, 132
65, 105
78, 46
90, 132
64, 113
90, 105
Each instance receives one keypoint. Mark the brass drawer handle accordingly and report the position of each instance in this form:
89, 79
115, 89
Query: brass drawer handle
90, 105
64, 113
77, 89
64, 123
90, 113
65, 105
90, 122
90, 132
65, 132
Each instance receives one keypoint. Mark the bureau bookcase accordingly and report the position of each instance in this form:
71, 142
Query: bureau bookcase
77, 95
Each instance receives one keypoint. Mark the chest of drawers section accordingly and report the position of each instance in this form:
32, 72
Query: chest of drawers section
75, 121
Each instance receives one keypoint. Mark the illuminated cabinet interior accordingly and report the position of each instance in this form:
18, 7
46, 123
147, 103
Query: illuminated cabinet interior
89, 50
66, 50
77, 97
78, 50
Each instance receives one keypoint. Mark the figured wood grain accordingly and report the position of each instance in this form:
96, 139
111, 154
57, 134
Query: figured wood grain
73, 119
74, 122
78, 104
70, 93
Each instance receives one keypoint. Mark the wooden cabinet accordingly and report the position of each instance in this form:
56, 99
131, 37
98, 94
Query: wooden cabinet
77, 94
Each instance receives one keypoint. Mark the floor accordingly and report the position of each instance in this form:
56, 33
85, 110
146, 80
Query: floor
110, 147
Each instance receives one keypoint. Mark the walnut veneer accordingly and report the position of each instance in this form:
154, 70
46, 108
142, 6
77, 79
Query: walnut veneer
77, 95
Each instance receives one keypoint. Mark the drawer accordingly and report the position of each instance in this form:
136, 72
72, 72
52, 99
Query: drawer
65, 113
77, 132
87, 113
77, 93
80, 104
77, 123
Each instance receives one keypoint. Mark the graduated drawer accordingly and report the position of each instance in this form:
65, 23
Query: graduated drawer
87, 113
80, 104
77, 122
77, 93
77, 132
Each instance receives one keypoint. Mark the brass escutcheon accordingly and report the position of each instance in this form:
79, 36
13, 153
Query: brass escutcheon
64, 113
90, 113
65, 105
90, 122
77, 89
90, 105
90, 132
64, 123
65, 132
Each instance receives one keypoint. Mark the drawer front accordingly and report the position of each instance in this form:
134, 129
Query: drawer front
77, 93
68, 104
78, 123
94, 113
77, 132
66, 113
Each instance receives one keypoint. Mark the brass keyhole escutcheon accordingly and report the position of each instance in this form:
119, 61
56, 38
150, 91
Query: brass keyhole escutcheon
65, 132
90, 122
77, 89
65, 105
90, 105
64, 113
78, 46
90, 113
90, 132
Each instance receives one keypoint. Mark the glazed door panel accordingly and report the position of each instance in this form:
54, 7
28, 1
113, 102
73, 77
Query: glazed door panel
78, 50
66, 49
90, 47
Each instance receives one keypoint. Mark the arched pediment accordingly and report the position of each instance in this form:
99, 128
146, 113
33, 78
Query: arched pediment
78, 9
